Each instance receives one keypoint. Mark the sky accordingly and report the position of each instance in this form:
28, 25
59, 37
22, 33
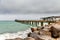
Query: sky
28, 9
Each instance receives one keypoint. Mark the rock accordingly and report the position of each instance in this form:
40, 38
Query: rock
37, 32
9, 39
17, 39
29, 38
56, 25
43, 32
33, 29
29, 34
35, 36
54, 32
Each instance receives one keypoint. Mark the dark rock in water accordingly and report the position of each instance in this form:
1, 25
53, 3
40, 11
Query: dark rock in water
33, 29
35, 36
29, 38
54, 32
29, 34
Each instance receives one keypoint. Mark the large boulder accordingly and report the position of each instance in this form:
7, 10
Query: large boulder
54, 32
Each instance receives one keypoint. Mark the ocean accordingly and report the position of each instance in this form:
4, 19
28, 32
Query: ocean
12, 26
12, 29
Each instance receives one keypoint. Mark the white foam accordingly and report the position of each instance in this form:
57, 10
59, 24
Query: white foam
21, 34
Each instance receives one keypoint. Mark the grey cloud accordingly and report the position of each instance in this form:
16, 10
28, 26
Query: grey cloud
29, 6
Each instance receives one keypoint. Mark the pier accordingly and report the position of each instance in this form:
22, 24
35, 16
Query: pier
41, 22
35, 22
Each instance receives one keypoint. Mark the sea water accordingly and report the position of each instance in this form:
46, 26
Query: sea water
12, 29
12, 26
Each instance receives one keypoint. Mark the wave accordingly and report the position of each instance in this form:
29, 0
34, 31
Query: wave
20, 34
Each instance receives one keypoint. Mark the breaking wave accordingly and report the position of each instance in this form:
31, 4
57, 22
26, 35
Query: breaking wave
21, 34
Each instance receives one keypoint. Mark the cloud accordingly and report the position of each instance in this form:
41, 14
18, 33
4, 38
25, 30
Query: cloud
29, 6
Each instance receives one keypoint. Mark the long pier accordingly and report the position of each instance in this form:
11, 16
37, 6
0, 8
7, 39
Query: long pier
35, 22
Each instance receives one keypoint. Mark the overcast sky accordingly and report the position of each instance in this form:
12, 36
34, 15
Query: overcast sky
28, 9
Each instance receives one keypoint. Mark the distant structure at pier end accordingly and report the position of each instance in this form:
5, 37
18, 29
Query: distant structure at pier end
52, 18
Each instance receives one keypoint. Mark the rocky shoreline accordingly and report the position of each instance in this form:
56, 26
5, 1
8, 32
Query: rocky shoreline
42, 33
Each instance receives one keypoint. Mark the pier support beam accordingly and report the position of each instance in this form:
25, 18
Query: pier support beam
41, 23
48, 23
36, 23
31, 23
